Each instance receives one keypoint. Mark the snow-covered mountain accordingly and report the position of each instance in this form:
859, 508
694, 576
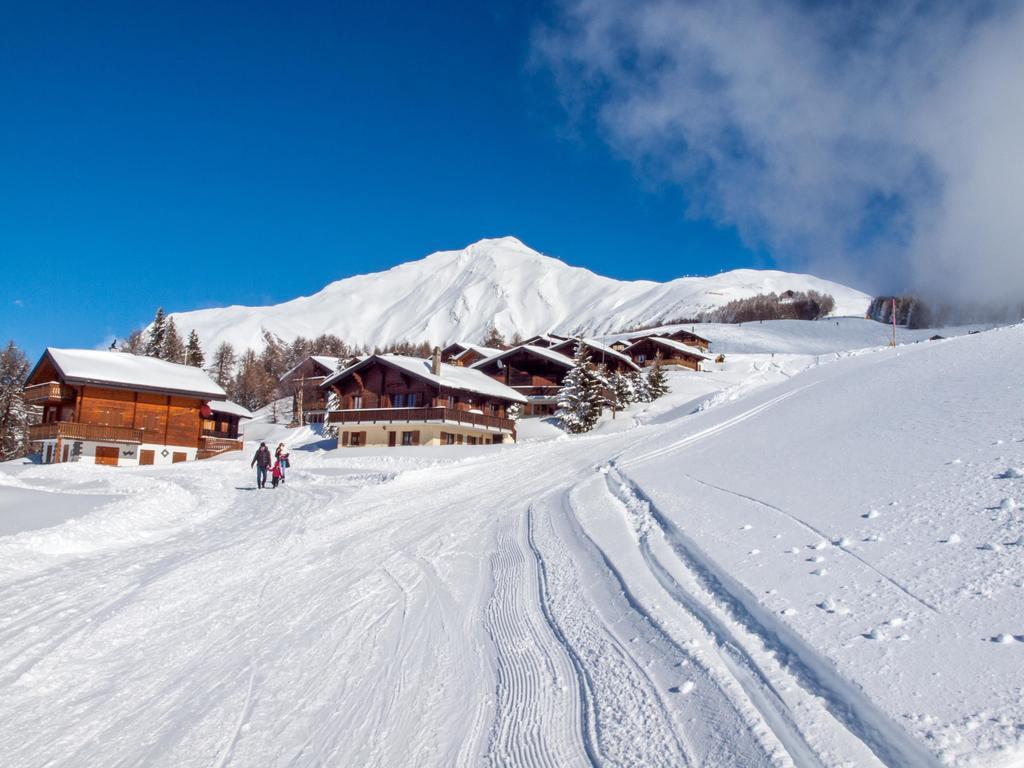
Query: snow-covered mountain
460, 294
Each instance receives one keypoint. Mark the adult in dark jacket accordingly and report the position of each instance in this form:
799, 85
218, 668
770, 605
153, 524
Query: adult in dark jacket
262, 463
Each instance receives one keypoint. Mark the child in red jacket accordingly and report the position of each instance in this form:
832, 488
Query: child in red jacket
275, 474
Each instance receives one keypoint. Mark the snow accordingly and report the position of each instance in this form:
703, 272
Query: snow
229, 407
753, 570
479, 349
92, 366
556, 357
499, 282
328, 362
678, 346
452, 376
598, 350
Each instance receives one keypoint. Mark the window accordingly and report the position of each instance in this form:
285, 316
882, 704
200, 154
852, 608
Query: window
357, 401
641, 359
356, 438
414, 399
407, 438
398, 400
451, 401
492, 409
447, 438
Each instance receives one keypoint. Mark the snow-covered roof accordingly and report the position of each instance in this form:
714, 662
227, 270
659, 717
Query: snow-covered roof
122, 369
328, 362
600, 347
234, 409
451, 376
674, 345
479, 349
556, 357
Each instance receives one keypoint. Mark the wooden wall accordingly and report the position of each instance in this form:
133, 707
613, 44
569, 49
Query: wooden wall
166, 419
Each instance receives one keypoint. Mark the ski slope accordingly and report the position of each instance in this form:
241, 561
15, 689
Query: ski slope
798, 559
500, 282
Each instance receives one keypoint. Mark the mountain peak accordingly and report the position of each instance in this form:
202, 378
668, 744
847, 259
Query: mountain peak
499, 282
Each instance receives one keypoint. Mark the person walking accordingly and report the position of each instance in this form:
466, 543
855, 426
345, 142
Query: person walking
281, 455
262, 463
276, 475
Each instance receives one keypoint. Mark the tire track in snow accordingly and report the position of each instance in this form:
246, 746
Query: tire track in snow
892, 745
537, 719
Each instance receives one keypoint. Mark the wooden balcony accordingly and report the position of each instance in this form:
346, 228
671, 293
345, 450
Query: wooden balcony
47, 392
69, 430
417, 415
214, 446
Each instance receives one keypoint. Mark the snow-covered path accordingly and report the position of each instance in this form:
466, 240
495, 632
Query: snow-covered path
601, 600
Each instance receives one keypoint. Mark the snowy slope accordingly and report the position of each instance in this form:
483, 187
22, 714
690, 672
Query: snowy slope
819, 567
460, 294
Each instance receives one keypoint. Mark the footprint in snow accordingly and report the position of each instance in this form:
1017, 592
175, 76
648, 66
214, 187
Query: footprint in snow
1007, 505
1011, 473
875, 634
1004, 639
954, 538
788, 611
794, 550
871, 514
819, 572
684, 689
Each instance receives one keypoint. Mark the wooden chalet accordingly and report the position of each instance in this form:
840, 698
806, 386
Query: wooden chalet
689, 338
309, 401
461, 353
116, 408
222, 427
673, 353
600, 354
536, 373
544, 340
394, 400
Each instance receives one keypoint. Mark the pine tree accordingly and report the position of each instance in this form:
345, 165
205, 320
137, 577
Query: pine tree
622, 390
223, 366
580, 401
155, 342
193, 351
173, 349
14, 413
641, 390
657, 381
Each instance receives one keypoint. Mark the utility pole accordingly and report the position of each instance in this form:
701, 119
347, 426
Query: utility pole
298, 400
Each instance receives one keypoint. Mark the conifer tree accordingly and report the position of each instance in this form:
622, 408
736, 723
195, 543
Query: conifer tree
14, 413
155, 342
580, 400
134, 344
641, 390
622, 390
657, 382
173, 348
193, 351
494, 339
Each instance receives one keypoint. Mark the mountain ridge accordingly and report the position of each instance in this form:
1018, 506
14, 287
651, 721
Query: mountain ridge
500, 282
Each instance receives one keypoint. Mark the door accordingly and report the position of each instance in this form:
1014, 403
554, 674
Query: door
146, 456
64, 452
392, 436
107, 456
178, 456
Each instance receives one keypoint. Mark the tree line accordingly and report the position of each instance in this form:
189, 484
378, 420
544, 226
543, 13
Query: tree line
788, 305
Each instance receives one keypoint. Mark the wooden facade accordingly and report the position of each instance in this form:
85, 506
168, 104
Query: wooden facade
534, 372
384, 403
600, 354
303, 381
689, 338
644, 352
111, 423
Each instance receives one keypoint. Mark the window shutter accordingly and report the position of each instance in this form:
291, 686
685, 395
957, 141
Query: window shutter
344, 438
460, 439
415, 437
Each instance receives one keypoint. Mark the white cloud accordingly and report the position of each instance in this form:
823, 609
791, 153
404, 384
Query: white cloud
877, 141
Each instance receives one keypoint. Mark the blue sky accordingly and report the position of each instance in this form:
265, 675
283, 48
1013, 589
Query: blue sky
201, 154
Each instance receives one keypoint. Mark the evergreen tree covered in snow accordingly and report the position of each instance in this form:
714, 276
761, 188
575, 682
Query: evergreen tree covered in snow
657, 381
514, 412
14, 413
580, 401
641, 389
622, 390
194, 352
155, 342
174, 348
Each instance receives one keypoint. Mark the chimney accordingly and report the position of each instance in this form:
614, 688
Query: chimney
435, 361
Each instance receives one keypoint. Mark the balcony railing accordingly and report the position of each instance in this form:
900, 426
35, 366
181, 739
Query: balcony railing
212, 446
69, 430
50, 391
406, 415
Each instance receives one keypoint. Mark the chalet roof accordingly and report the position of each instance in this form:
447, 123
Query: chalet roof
600, 348
551, 338
328, 362
688, 333
234, 409
556, 357
480, 350
451, 377
124, 370
675, 346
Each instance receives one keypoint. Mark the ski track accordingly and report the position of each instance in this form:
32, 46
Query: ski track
847, 703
